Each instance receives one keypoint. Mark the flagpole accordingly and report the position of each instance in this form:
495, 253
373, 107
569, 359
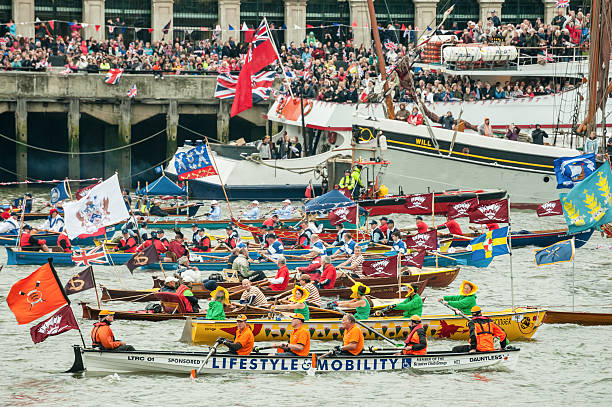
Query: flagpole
280, 60
510, 252
68, 186
573, 272
93, 277
399, 275
433, 222
219, 174
110, 258
162, 267
61, 287
357, 223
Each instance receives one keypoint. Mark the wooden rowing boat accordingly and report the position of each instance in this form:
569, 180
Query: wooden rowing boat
173, 362
344, 292
519, 324
578, 318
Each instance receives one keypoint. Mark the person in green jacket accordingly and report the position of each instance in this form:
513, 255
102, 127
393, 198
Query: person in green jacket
297, 302
412, 305
466, 298
359, 301
215, 306
356, 183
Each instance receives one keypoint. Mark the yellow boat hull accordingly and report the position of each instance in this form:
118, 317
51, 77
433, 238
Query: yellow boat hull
519, 325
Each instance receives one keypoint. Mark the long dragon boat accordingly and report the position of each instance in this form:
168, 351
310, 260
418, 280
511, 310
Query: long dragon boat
538, 238
519, 324
181, 362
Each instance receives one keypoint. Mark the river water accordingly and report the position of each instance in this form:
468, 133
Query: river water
561, 364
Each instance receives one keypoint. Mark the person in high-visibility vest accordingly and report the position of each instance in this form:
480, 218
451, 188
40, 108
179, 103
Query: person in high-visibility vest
356, 183
346, 181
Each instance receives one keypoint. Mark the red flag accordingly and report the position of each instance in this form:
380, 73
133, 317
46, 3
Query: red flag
414, 259
403, 28
97, 27
83, 191
421, 204
243, 99
550, 208
423, 241
52, 25
60, 322
345, 214
380, 268
150, 30
263, 49
36, 295
309, 26
248, 35
461, 209
491, 212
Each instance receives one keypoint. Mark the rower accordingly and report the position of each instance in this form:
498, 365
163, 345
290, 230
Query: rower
215, 211
281, 280
253, 212
340, 232
383, 225
64, 242
313, 226
154, 241
390, 229
317, 248
359, 301
102, 336
299, 340
297, 302
416, 342
30, 243
303, 240
412, 305
398, 244
286, 212
466, 298
329, 275
489, 227
232, 237
10, 224
156, 210
354, 264
271, 222
241, 266
453, 227
313, 269
482, 333
53, 223
353, 337
314, 297
243, 339
347, 249
220, 297
275, 247
376, 235
127, 243
161, 235
144, 232
202, 241
169, 285
184, 290
421, 226
176, 248
252, 295
194, 234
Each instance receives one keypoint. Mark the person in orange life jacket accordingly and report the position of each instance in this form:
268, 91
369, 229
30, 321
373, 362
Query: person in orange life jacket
482, 333
299, 341
329, 275
169, 285
184, 290
281, 280
303, 241
202, 242
64, 242
159, 246
453, 227
29, 242
421, 226
243, 340
127, 243
398, 244
416, 342
102, 336
347, 249
353, 337
340, 232
390, 229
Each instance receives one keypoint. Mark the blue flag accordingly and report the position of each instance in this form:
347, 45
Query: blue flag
589, 204
194, 163
556, 253
491, 244
159, 169
59, 193
571, 170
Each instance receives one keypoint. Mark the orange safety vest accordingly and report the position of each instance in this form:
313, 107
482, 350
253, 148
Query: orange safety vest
103, 329
414, 339
485, 331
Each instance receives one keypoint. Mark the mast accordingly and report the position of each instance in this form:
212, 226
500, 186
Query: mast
381, 61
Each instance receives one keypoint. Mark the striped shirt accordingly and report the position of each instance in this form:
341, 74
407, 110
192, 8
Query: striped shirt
313, 294
260, 298
357, 261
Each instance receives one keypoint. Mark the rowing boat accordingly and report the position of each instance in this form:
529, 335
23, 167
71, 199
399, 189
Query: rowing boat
538, 238
378, 291
518, 324
21, 257
578, 318
148, 361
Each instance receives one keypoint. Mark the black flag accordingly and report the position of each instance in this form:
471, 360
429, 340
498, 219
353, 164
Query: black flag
147, 256
80, 282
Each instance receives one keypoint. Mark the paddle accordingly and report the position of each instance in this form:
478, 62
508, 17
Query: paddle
455, 310
195, 373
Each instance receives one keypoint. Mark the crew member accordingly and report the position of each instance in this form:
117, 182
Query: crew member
156, 210
416, 342
102, 336
317, 248
398, 244
376, 235
64, 242
357, 183
286, 212
299, 340
383, 225
314, 297
184, 292
253, 212
359, 301
54, 222
127, 243
329, 275
10, 224
271, 222
412, 305
390, 229
354, 264
232, 237
281, 280
353, 337
176, 248
215, 211
169, 285
275, 247
421, 226
297, 302
466, 298
313, 269
348, 247
346, 183
340, 232
303, 240
453, 227
194, 234
483, 331
30, 243
154, 241
252, 295
243, 339
202, 241
220, 297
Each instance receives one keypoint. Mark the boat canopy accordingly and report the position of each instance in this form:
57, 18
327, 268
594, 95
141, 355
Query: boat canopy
162, 186
332, 200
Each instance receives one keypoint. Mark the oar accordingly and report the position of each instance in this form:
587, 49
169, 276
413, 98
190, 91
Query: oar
195, 373
457, 312
313, 365
396, 345
441, 255
257, 349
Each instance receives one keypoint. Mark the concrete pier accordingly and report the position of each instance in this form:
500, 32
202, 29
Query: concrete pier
74, 160
21, 133
172, 121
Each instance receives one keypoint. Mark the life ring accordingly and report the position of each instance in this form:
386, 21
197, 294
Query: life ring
281, 105
332, 136
308, 107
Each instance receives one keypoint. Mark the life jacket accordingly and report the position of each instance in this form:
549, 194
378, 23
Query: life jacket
346, 182
130, 244
415, 339
304, 239
484, 334
95, 341
179, 291
64, 238
25, 240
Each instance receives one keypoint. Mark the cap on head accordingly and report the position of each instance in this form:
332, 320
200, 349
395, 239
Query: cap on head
105, 312
170, 279
415, 318
373, 222
419, 218
27, 227
476, 309
52, 211
298, 316
241, 318
255, 202
214, 202
287, 201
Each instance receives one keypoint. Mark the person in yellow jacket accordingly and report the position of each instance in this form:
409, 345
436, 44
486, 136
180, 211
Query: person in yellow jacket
356, 183
346, 181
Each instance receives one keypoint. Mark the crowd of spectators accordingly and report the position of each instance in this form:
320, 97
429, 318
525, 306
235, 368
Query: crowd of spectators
330, 68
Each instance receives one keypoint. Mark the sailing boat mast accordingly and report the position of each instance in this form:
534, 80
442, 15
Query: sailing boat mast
381, 61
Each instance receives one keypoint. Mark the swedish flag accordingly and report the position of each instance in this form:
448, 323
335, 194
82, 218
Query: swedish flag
491, 244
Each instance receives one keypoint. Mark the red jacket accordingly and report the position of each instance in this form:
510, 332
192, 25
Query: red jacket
282, 272
329, 273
